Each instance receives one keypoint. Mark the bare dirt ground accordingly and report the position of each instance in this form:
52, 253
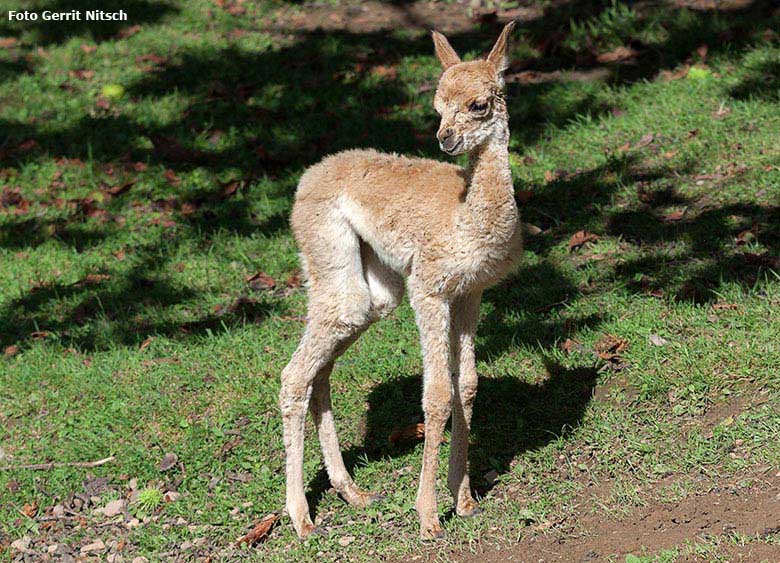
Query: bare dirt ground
716, 514
374, 15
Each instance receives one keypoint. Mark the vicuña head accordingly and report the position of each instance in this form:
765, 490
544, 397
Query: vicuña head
469, 97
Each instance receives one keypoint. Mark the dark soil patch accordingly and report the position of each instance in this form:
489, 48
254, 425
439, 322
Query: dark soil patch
753, 512
372, 16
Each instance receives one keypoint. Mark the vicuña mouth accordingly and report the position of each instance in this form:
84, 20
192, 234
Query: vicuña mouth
453, 149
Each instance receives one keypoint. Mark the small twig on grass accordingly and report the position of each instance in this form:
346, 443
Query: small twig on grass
56, 518
550, 306
53, 464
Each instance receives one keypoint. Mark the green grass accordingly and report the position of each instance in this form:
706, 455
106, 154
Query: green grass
166, 348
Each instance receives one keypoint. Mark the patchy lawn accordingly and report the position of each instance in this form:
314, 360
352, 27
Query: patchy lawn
150, 293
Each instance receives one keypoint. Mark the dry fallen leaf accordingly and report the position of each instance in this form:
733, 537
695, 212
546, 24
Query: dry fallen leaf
30, 510
645, 140
260, 530
570, 345
11, 197
382, 71
150, 58
617, 55
92, 279
188, 208
216, 136
610, 347
11, 350
532, 230
680, 72
27, 145
725, 306
721, 112
227, 447
547, 524
230, 189
658, 340
171, 177
82, 74
145, 344
581, 238
410, 432
673, 215
119, 188
128, 31
168, 461
293, 281
555, 175
261, 281
745, 237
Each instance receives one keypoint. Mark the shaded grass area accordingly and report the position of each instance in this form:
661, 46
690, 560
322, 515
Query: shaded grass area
130, 224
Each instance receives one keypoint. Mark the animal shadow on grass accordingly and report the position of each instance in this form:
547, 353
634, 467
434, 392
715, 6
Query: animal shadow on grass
510, 417
95, 314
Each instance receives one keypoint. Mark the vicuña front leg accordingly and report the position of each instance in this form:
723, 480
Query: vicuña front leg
465, 313
322, 413
433, 320
313, 354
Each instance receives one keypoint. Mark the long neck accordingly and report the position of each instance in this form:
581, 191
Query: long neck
490, 202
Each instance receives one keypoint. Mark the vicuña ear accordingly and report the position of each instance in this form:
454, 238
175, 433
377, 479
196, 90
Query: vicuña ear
444, 51
499, 56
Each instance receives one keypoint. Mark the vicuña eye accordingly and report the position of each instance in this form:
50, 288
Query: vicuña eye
478, 107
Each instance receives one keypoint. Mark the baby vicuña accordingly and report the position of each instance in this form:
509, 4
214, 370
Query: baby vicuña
365, 222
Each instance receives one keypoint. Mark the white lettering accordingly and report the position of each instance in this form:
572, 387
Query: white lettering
100, 15
22, 16
73, 15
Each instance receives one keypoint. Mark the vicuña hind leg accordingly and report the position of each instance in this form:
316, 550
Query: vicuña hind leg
340, 308
325, 335
386, 290
314, 352
322, 413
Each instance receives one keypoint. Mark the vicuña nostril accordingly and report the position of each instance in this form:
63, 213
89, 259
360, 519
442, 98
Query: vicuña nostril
446, 134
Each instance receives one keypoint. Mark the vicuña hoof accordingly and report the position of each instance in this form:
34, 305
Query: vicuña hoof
362, 499
476, 511
308, 530
431, 534
469, 510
